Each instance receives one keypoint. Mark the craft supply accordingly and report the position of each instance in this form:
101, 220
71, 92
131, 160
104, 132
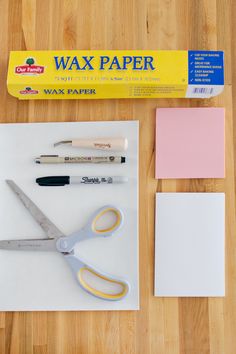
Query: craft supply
189, 244
56, 241
63, 180
111, 144
97, 74
190, 143
55, 159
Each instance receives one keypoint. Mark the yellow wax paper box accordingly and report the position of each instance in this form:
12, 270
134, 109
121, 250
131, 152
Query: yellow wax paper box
96, 74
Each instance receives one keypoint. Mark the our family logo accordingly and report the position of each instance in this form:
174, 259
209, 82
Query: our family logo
29, 68
29, 91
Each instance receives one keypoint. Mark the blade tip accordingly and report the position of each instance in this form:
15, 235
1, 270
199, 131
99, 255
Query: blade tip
62, 142
58, 143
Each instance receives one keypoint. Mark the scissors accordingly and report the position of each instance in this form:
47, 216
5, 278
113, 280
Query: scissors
56, 241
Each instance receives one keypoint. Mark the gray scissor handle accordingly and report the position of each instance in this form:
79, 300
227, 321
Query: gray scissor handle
79, 269
66, 244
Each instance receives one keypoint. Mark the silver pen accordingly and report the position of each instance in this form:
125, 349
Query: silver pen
54, 159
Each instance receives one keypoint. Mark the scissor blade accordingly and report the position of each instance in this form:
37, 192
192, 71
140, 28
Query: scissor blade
29, 245
48, 227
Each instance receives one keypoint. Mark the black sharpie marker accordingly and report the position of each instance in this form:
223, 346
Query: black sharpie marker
63, 180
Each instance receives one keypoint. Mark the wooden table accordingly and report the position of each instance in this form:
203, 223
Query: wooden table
169, 326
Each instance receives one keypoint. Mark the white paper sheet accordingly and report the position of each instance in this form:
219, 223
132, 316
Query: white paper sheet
189, 244
43, 281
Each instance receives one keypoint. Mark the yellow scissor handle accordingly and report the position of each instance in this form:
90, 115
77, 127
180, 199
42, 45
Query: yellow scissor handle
98, 293
102, 212
93, 280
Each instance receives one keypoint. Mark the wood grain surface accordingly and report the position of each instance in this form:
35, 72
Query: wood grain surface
163, 325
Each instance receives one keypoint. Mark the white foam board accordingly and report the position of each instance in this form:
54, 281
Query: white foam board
43, 281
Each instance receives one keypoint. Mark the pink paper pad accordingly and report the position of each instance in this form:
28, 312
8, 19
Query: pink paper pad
190, 143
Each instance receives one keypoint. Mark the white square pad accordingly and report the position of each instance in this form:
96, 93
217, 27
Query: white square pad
189, 244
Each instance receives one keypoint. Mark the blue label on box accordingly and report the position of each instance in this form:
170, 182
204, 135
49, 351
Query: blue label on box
205, 67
